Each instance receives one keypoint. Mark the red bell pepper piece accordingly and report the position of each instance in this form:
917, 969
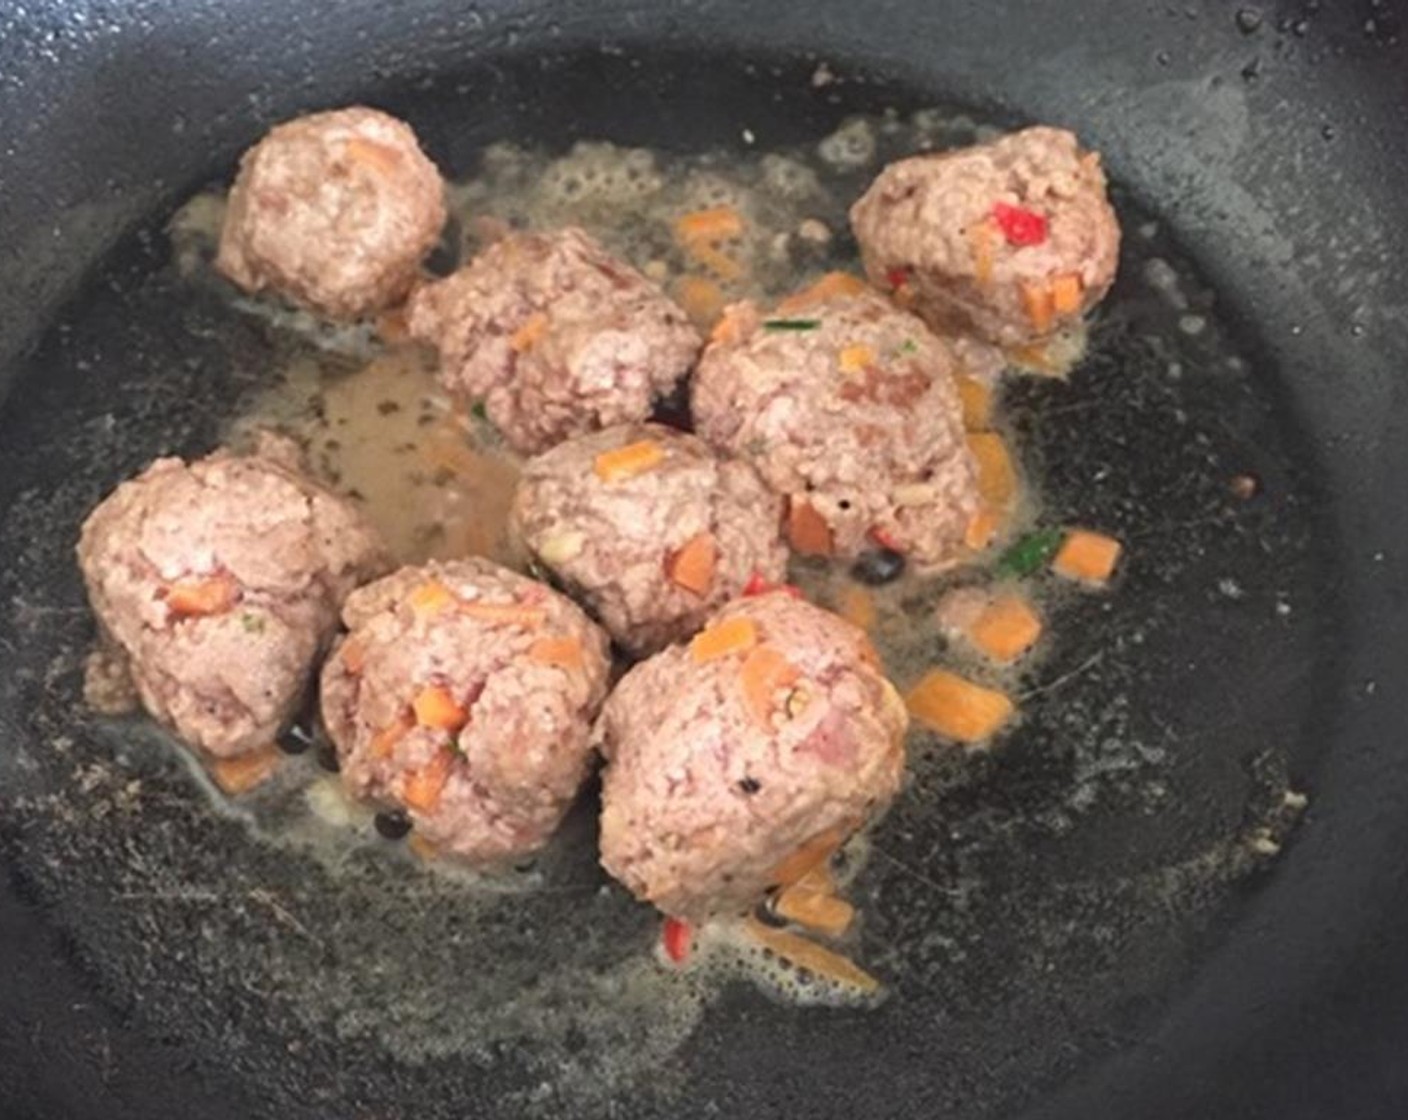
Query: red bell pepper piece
884, 540
757, 585
1019, 225
897, 277
677, 937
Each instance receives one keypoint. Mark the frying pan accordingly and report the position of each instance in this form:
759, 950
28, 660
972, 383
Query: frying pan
1135, 953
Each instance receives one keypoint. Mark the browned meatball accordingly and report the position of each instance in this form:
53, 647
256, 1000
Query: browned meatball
847, 407
726, 760
650, 528
334, 211
465, 693
217, 583
1011, 240
555, 337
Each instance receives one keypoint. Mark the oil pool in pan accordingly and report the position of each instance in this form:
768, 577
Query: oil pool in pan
331, 931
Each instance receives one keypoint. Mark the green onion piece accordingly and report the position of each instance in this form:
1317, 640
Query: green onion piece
252, 623
791, 324
477, 409
908, 346
1028, 555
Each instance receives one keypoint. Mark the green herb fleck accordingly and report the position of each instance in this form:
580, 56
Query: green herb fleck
1029, 554
908, 346
478, 411
252, 623
791, 324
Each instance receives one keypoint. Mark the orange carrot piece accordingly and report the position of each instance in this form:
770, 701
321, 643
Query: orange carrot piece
422, 789
811, 855
717, 223
1087, 557
1066, 293
431, 598
729, 329
692, 566
702, 299
1006, 629
997, 477
506, 614
1035, 358
385, 740
820, 911
530, 333
1039, 304
732, 635
719, 262
808, 955
422, 848
958, 709
983, 529
977, 403
629, 461
560, 652
857, 606
819, 879
807, 530
982, 243
434, 706
855, 357
197, 598
834, 285
765, 673
243, 772
381, 158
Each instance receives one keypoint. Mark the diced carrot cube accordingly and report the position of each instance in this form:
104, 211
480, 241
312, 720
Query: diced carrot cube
242, 772
982, 530
717, 223
977, 403
1066, 293
808, 955
197, 598
702, 299
765, 673
692, 566
431, 598
560, 652
729, 329
857, 606
385, 740
434, 706
807, 530
1039, 304
530, 333
629, 461
833, 285
958, 709
1086, 556
732, 635
422, 789
820, 911
855, 358
811, 855
997, 477
1006, 628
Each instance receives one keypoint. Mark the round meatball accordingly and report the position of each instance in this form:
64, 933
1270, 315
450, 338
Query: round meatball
555, 337
649, 528
848, 408
465, 694
1011, 240
333, 211
739, 761
218, 583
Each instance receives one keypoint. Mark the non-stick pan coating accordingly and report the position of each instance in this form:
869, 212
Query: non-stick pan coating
1026, 948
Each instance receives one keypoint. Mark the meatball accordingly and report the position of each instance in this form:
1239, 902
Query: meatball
334, 211
465, 693
848, 409
649, 528
218, 583
554, 336
1011, 240
739, 761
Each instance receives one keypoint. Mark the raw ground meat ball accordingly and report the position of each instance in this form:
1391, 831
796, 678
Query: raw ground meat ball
335, 211
739, 761
848, 408
465, 693
218, 583
649, 528
1012, 240
555, 336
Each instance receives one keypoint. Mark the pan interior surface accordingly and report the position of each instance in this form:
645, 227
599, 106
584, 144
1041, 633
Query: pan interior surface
1033, 909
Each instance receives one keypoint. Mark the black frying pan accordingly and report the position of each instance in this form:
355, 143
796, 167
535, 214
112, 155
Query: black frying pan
1142, 957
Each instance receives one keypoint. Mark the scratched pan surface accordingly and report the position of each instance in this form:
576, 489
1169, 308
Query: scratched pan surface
1091, 918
